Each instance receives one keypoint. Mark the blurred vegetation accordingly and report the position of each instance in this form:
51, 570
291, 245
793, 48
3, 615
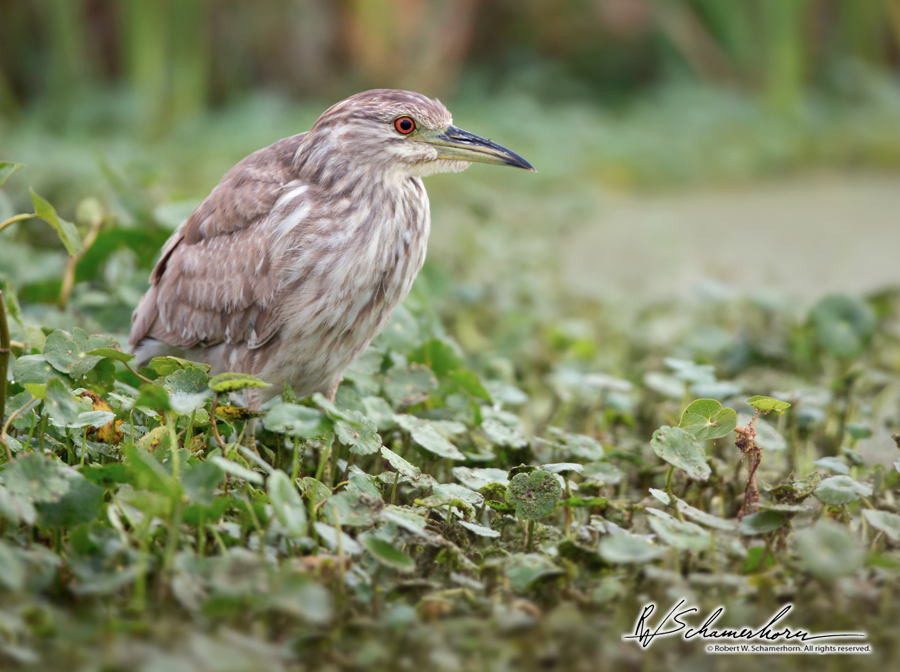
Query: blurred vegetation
177, 57
398, 529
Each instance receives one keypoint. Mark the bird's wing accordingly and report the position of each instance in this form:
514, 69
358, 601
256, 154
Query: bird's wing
216, 280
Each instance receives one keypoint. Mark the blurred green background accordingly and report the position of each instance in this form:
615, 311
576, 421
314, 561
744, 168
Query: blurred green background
681, 144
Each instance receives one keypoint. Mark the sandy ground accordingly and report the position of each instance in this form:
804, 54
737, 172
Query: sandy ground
804, 237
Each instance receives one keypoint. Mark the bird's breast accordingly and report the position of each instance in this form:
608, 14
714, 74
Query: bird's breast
348, 273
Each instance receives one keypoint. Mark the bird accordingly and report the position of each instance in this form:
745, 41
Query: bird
297, 258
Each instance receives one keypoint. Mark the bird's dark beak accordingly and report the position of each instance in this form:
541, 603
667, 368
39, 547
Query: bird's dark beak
458, 145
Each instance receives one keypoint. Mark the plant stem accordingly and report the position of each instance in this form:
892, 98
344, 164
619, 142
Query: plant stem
4, 366
17, 218
394, 489
72, 263
214, 425
295, 465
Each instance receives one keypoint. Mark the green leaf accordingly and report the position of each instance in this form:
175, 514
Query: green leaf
683, 536
188, 389
425, 435
843, 326
705, 419
68, 353
524, 570
760, 523
12, 567
236, 470
298, 421
287, 504
503, 435
399, 464
353, 509
112, 353
887, 522
66, 231
106, 475
628, 549
828, 551
59, 403
837, 490
471, 383
7, 168
200, 481
36, 390
858, 431
439, 356
476, 479
149, 474
330, 536
153, 397
33, 369
834, 464
167, 364
603, 473
36, 478
768, 404
232, 382
702, 517
406, 386
534, 494
480, 530
80, 504
679, 449
362, 435
386, 554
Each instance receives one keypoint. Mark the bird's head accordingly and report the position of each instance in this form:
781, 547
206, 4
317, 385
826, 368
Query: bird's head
399, 132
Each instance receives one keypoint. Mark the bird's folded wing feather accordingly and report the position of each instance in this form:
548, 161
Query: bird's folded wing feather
217, 280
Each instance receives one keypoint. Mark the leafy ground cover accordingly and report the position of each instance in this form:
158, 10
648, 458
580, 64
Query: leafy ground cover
502, 482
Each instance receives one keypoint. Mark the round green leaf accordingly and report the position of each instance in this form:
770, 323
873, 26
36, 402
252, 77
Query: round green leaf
838, 490
628, 549
858, 431
232, 382
523, 570
358, 432
68, 353
426, 435
706, 419
678, 448
761, 523
887, 522
533, 494
833, 464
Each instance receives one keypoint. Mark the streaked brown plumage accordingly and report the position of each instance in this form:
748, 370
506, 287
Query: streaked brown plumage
294, 262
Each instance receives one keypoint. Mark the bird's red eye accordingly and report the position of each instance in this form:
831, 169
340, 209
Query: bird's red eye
405, 125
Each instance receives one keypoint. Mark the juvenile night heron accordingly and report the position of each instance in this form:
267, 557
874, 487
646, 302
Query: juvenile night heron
294, 262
